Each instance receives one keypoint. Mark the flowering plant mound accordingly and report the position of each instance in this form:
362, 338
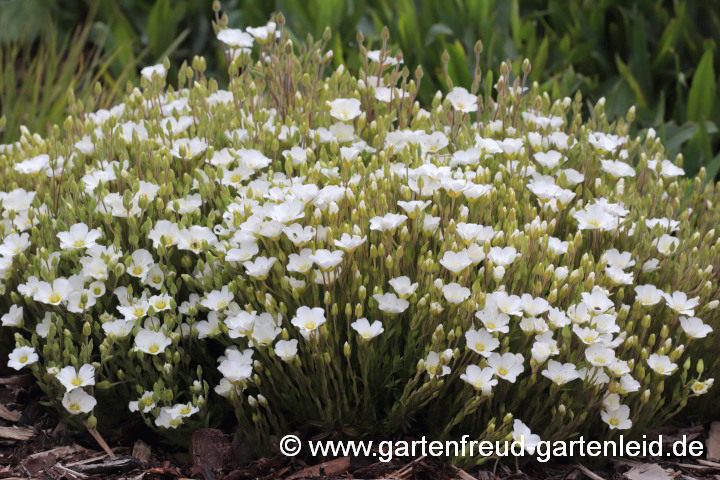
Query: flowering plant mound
319, 252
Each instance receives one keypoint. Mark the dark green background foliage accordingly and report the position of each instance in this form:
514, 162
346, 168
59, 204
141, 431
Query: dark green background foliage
657, 55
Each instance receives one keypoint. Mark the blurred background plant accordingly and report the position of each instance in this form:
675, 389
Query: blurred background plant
659, 55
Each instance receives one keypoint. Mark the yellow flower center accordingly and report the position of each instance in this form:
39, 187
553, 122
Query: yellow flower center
77, 382
138, 270
614, 422
160, 304
157, 279
310, 325
698, 386
23, 359
55, 298
491, 325
503, 371
154, 348
139, 312
79, 243
479, 347
74, 407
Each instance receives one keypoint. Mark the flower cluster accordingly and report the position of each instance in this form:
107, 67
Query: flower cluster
321, 251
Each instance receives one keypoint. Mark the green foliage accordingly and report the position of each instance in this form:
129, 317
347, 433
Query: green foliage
36, 79
194, 243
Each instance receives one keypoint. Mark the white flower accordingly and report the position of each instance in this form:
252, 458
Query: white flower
210, 327
597, 300
617, 169
661, 364
78, 401
595, 375
628, 385
166, 420
71, 378
507, 366
614, 258
309, 319
390, 303
599, 355
388, 222
455, 293
118, 328
265, 330
14, 317
617, 419
327, 260
666, 244
502, 256
183, 410
236, 38
694, 327
699, 388
218, 299
149, 72
433, 366
403, 286
350, 243
151, 342
262, 33
679, 302
560, 373
147, 401
480, 378
55, 293
345, 108
462, 100
651, 265
648, 295
557, 246
14, 244
481, 342
493, 320
521, 433
550, 159
378, 55
188, 148
286, 349
194, 238
21, 357
367, 330
260, 267
595, 217
456, 262
508, 304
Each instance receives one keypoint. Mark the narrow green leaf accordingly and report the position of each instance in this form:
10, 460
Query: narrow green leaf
702, 89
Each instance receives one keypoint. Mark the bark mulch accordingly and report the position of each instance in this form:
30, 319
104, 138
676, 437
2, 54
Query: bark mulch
35, 444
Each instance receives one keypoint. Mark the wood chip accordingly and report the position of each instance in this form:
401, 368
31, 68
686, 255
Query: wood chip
17, 433
9, 415
588, 473
142, 452
461, 474
330, 468
17, 380
713, 442
649, 471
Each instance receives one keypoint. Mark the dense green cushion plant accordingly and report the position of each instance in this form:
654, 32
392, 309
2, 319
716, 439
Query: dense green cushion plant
322, 253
